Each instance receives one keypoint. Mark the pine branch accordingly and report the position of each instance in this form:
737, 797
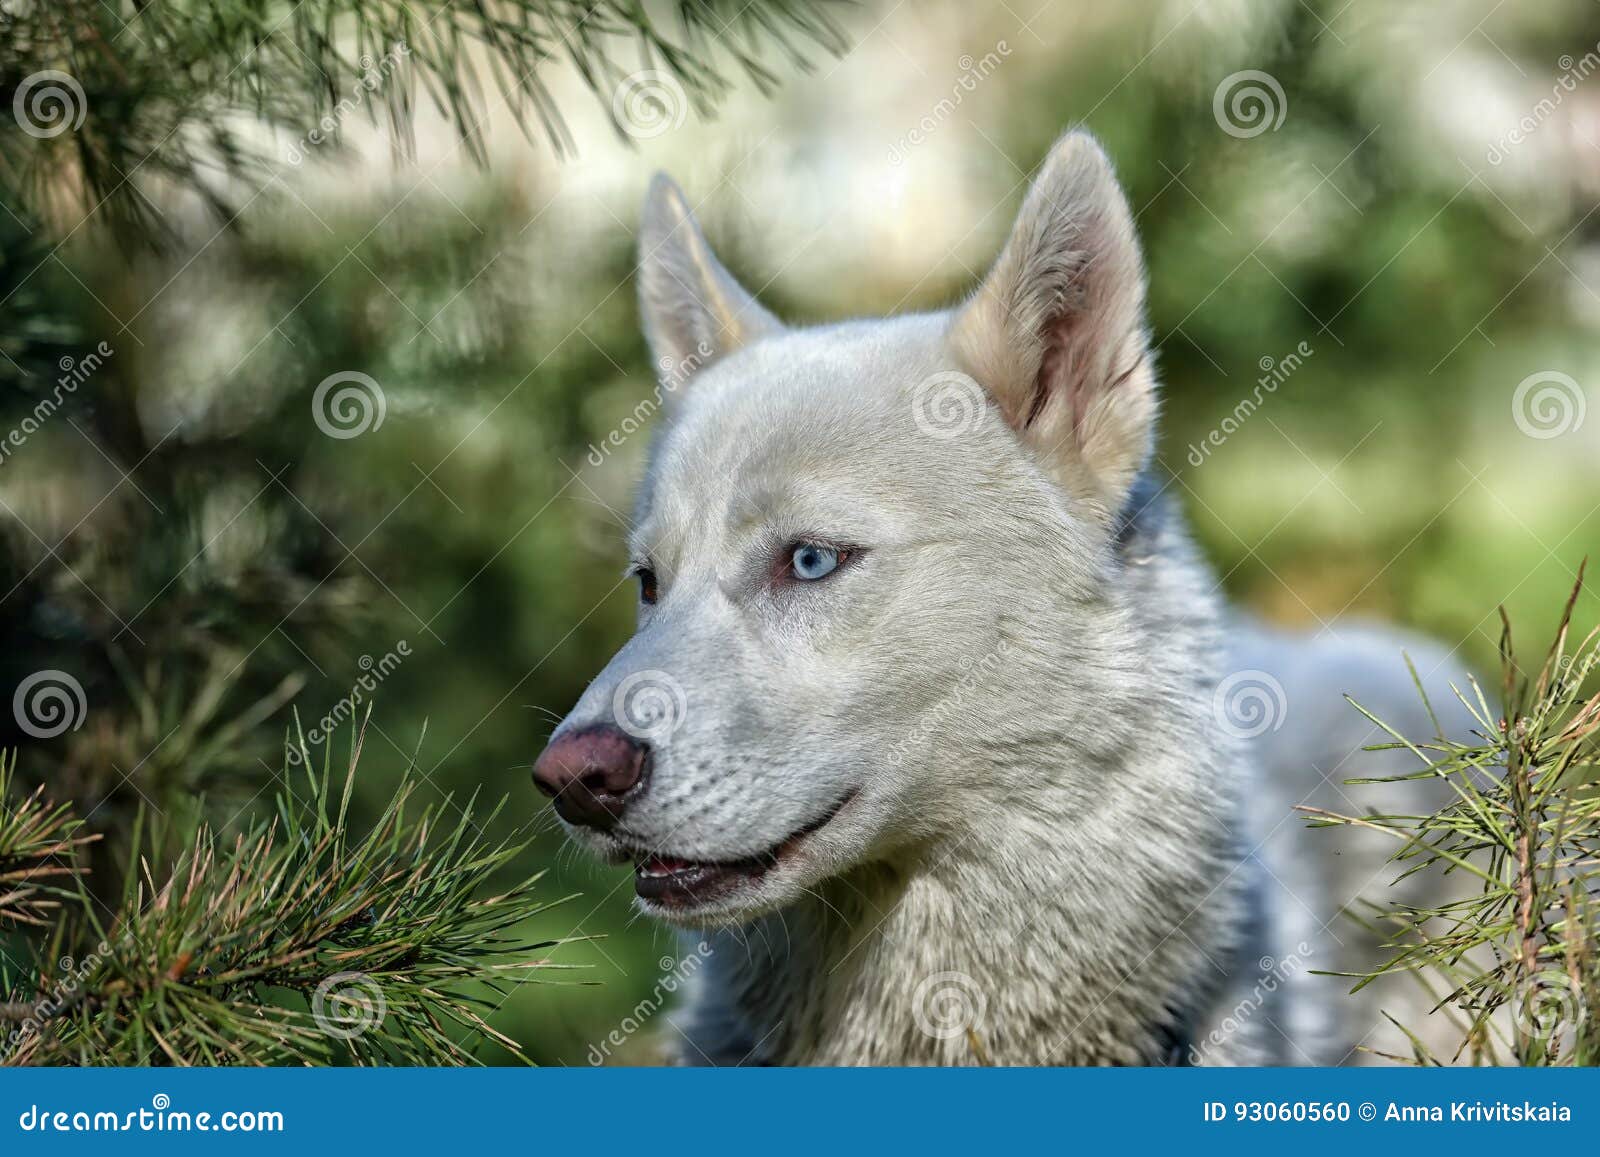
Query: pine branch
123, 95
297, 943
1520, 955
38, 846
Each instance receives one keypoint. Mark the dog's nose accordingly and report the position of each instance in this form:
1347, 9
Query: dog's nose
590, 773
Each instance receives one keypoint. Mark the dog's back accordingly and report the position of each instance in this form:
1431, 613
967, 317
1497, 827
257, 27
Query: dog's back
1317, 887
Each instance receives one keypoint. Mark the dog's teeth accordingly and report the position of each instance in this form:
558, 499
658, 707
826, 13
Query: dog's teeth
658, 866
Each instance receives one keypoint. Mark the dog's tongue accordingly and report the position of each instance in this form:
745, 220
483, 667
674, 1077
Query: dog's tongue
663, 865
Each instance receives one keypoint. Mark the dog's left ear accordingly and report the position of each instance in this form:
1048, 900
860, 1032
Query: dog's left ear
693, 310
1056, 331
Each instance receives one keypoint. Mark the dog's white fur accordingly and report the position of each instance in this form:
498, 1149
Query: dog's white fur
1055, 848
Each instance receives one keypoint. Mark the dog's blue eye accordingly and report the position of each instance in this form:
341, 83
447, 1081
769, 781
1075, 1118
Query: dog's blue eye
811, 562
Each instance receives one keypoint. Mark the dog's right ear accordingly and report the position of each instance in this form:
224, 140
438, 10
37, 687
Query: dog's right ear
693, 310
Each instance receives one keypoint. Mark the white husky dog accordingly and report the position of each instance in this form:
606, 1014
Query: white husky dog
933, 726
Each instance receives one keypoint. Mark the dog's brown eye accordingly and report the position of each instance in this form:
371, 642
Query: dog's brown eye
647, 585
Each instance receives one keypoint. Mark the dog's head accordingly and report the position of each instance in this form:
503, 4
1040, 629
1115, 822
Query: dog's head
870, 559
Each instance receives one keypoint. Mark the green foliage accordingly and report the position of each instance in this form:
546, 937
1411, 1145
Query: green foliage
175, 91
38, 842
189, 553
292, 942
1517, 954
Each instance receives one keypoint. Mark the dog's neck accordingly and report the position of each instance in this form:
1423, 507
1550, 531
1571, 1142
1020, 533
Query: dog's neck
1012, 944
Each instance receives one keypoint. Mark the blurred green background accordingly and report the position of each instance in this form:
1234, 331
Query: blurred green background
1398, 234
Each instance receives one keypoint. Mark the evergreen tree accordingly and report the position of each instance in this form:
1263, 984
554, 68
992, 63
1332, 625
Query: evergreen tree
151, 911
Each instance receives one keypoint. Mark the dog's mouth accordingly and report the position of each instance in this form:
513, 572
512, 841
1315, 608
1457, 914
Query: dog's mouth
680, 885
